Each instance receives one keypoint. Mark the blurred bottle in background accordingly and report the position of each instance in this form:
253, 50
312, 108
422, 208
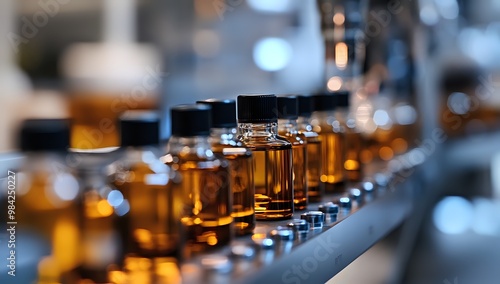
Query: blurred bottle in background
287, 127
314, 151
100, 244
148, 205
384, 104
331, 133
354, 142
105, 79
224, 140
48, 208
341, 25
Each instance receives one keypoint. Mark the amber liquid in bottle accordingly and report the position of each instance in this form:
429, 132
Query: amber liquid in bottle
48, 215
354, 145
206, 190
94, 114
314, 162
299, 153
273, 170
352, 163
151, 227
332, 140
273, 183
242, 182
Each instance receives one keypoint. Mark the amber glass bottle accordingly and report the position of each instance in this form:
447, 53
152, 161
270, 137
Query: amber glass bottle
149, 201
100, 242
332, 141
287, 127
354, 142
206, 183
45, 215
224, 141
273, 162
314, 151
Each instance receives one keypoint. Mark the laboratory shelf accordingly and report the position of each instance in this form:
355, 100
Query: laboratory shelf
316, 257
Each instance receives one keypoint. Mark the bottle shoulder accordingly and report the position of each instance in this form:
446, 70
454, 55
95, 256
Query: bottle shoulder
296, 138
192, 161
275, 142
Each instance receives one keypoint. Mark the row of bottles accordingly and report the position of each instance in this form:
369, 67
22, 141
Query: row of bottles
93, 214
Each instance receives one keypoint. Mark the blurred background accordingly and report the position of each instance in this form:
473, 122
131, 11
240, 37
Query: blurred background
423, 76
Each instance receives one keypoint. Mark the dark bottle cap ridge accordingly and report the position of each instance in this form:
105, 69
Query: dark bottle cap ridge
305, 105
288, 107
257, 109
191, 120
37, 135
223, 112
139, 128
323, 101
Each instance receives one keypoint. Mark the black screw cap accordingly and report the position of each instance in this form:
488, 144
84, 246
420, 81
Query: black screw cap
191, 120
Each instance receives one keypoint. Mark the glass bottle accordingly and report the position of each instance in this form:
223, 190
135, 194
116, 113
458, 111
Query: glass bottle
314, 151
354, 142
46, 205
149, 201
287, 127
100, 242
224, 140
206, 186
273, 162
332, 141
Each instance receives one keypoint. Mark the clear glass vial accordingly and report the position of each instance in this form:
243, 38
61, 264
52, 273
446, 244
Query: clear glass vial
273, 162
206, 183
224, 140
332, 140
149, 201
314, 150
287, 127
46, 214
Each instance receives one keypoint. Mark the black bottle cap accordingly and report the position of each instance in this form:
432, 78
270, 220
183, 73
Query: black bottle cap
288, 107
323, 102
305, 105
223, 112
38, 135
341, 98
139, 128
191, 120
257, 109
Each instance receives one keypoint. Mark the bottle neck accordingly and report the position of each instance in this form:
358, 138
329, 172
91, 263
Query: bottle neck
92, 179
325, 119
44, 161
304, 123
198, 145
223, 136
144, 154
249, 130
288, 126
346, 118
